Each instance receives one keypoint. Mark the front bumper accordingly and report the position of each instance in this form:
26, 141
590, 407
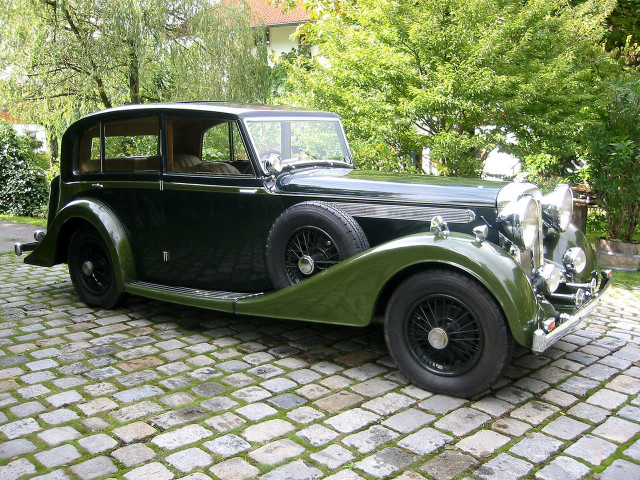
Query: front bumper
542, 340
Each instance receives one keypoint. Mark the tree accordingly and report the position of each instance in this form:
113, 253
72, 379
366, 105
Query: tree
614, 156
63, 58
456, 76
623, 36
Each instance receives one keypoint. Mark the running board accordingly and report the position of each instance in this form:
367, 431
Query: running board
213, 299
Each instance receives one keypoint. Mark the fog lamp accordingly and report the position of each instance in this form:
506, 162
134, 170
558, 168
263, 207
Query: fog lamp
575, 260
549, 278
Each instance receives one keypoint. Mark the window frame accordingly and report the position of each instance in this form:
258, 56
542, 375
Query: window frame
102, 127
232, 123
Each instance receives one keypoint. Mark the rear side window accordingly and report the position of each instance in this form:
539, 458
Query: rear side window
131, 145
89, 158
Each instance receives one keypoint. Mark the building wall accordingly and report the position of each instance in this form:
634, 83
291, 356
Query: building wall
36, 132
280, 41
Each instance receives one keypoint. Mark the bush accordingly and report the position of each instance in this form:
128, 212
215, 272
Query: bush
614, 154
24, 189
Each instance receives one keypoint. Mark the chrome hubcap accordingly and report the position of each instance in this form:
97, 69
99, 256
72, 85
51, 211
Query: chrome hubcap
438, 338
306, 264
87, 268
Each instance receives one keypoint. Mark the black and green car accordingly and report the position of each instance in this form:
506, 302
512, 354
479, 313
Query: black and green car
259, 211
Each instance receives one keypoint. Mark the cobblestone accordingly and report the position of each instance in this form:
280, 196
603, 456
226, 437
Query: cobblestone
154, 390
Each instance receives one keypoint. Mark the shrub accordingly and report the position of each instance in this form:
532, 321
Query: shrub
24, 188
614, 154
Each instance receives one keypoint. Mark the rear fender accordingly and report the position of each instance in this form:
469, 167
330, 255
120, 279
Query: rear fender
52, 249
347, 293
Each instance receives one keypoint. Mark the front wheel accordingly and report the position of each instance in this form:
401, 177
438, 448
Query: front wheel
91, 269
447, 334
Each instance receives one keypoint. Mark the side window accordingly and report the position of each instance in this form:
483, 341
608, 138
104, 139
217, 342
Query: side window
207, 146
132, 145
89, 152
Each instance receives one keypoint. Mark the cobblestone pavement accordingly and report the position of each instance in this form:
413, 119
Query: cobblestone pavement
159, 391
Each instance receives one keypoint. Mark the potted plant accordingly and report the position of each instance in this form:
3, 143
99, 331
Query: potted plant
614, 173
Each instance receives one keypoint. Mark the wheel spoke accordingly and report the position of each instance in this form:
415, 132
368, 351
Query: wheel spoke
313, 243
462, 345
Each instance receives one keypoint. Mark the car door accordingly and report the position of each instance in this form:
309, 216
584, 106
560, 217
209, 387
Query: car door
120, 164
217, 224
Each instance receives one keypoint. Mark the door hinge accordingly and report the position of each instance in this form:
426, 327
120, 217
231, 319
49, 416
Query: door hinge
165, 256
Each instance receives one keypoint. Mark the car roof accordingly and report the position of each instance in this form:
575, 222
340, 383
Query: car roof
226, 108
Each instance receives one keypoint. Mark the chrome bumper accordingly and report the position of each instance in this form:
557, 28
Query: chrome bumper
542, 340
20, 248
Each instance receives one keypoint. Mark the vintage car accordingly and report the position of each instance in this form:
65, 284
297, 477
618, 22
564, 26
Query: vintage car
259, 211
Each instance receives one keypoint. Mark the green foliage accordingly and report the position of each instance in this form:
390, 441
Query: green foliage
62, 59
623, 35
614, 156
24, 184
375, 154
456, 76
547, 171
458, 154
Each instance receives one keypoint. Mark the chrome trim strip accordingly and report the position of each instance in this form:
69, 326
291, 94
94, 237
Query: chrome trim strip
194, 292
405, 212
542, 341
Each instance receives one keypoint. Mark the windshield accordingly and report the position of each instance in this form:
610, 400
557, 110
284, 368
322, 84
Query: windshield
296, 141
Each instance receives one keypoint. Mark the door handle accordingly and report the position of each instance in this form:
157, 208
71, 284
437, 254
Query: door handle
248, 190
97, 185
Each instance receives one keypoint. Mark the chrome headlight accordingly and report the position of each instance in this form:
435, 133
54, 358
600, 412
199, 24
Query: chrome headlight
549, 278
575, 260
521, 221
557, 207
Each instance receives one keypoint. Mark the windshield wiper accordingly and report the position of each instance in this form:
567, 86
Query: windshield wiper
291, 163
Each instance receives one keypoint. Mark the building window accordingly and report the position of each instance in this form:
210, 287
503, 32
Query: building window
262, 36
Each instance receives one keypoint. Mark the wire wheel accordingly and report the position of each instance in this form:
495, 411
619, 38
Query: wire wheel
94, 267
444, 335
309, 250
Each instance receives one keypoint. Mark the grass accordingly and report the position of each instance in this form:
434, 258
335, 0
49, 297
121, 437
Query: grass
620, 279
39, 222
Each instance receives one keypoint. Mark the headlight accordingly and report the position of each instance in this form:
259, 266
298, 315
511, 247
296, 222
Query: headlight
575, 260
521, 221
558, 207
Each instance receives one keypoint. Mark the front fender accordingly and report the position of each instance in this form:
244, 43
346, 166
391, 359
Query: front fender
348, 292
101, 217
563, 241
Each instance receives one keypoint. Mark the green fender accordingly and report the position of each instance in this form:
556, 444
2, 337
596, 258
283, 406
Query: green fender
47, 253
347, 293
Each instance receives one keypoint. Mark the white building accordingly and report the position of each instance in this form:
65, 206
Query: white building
36, 132
280, 26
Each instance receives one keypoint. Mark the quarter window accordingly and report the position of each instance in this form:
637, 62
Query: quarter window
89, 158
131, 145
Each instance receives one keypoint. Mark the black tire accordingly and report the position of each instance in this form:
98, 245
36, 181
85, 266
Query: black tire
91, 269
308, 238
447, 334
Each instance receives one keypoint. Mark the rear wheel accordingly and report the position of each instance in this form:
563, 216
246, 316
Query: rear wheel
91, 269
447, 333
